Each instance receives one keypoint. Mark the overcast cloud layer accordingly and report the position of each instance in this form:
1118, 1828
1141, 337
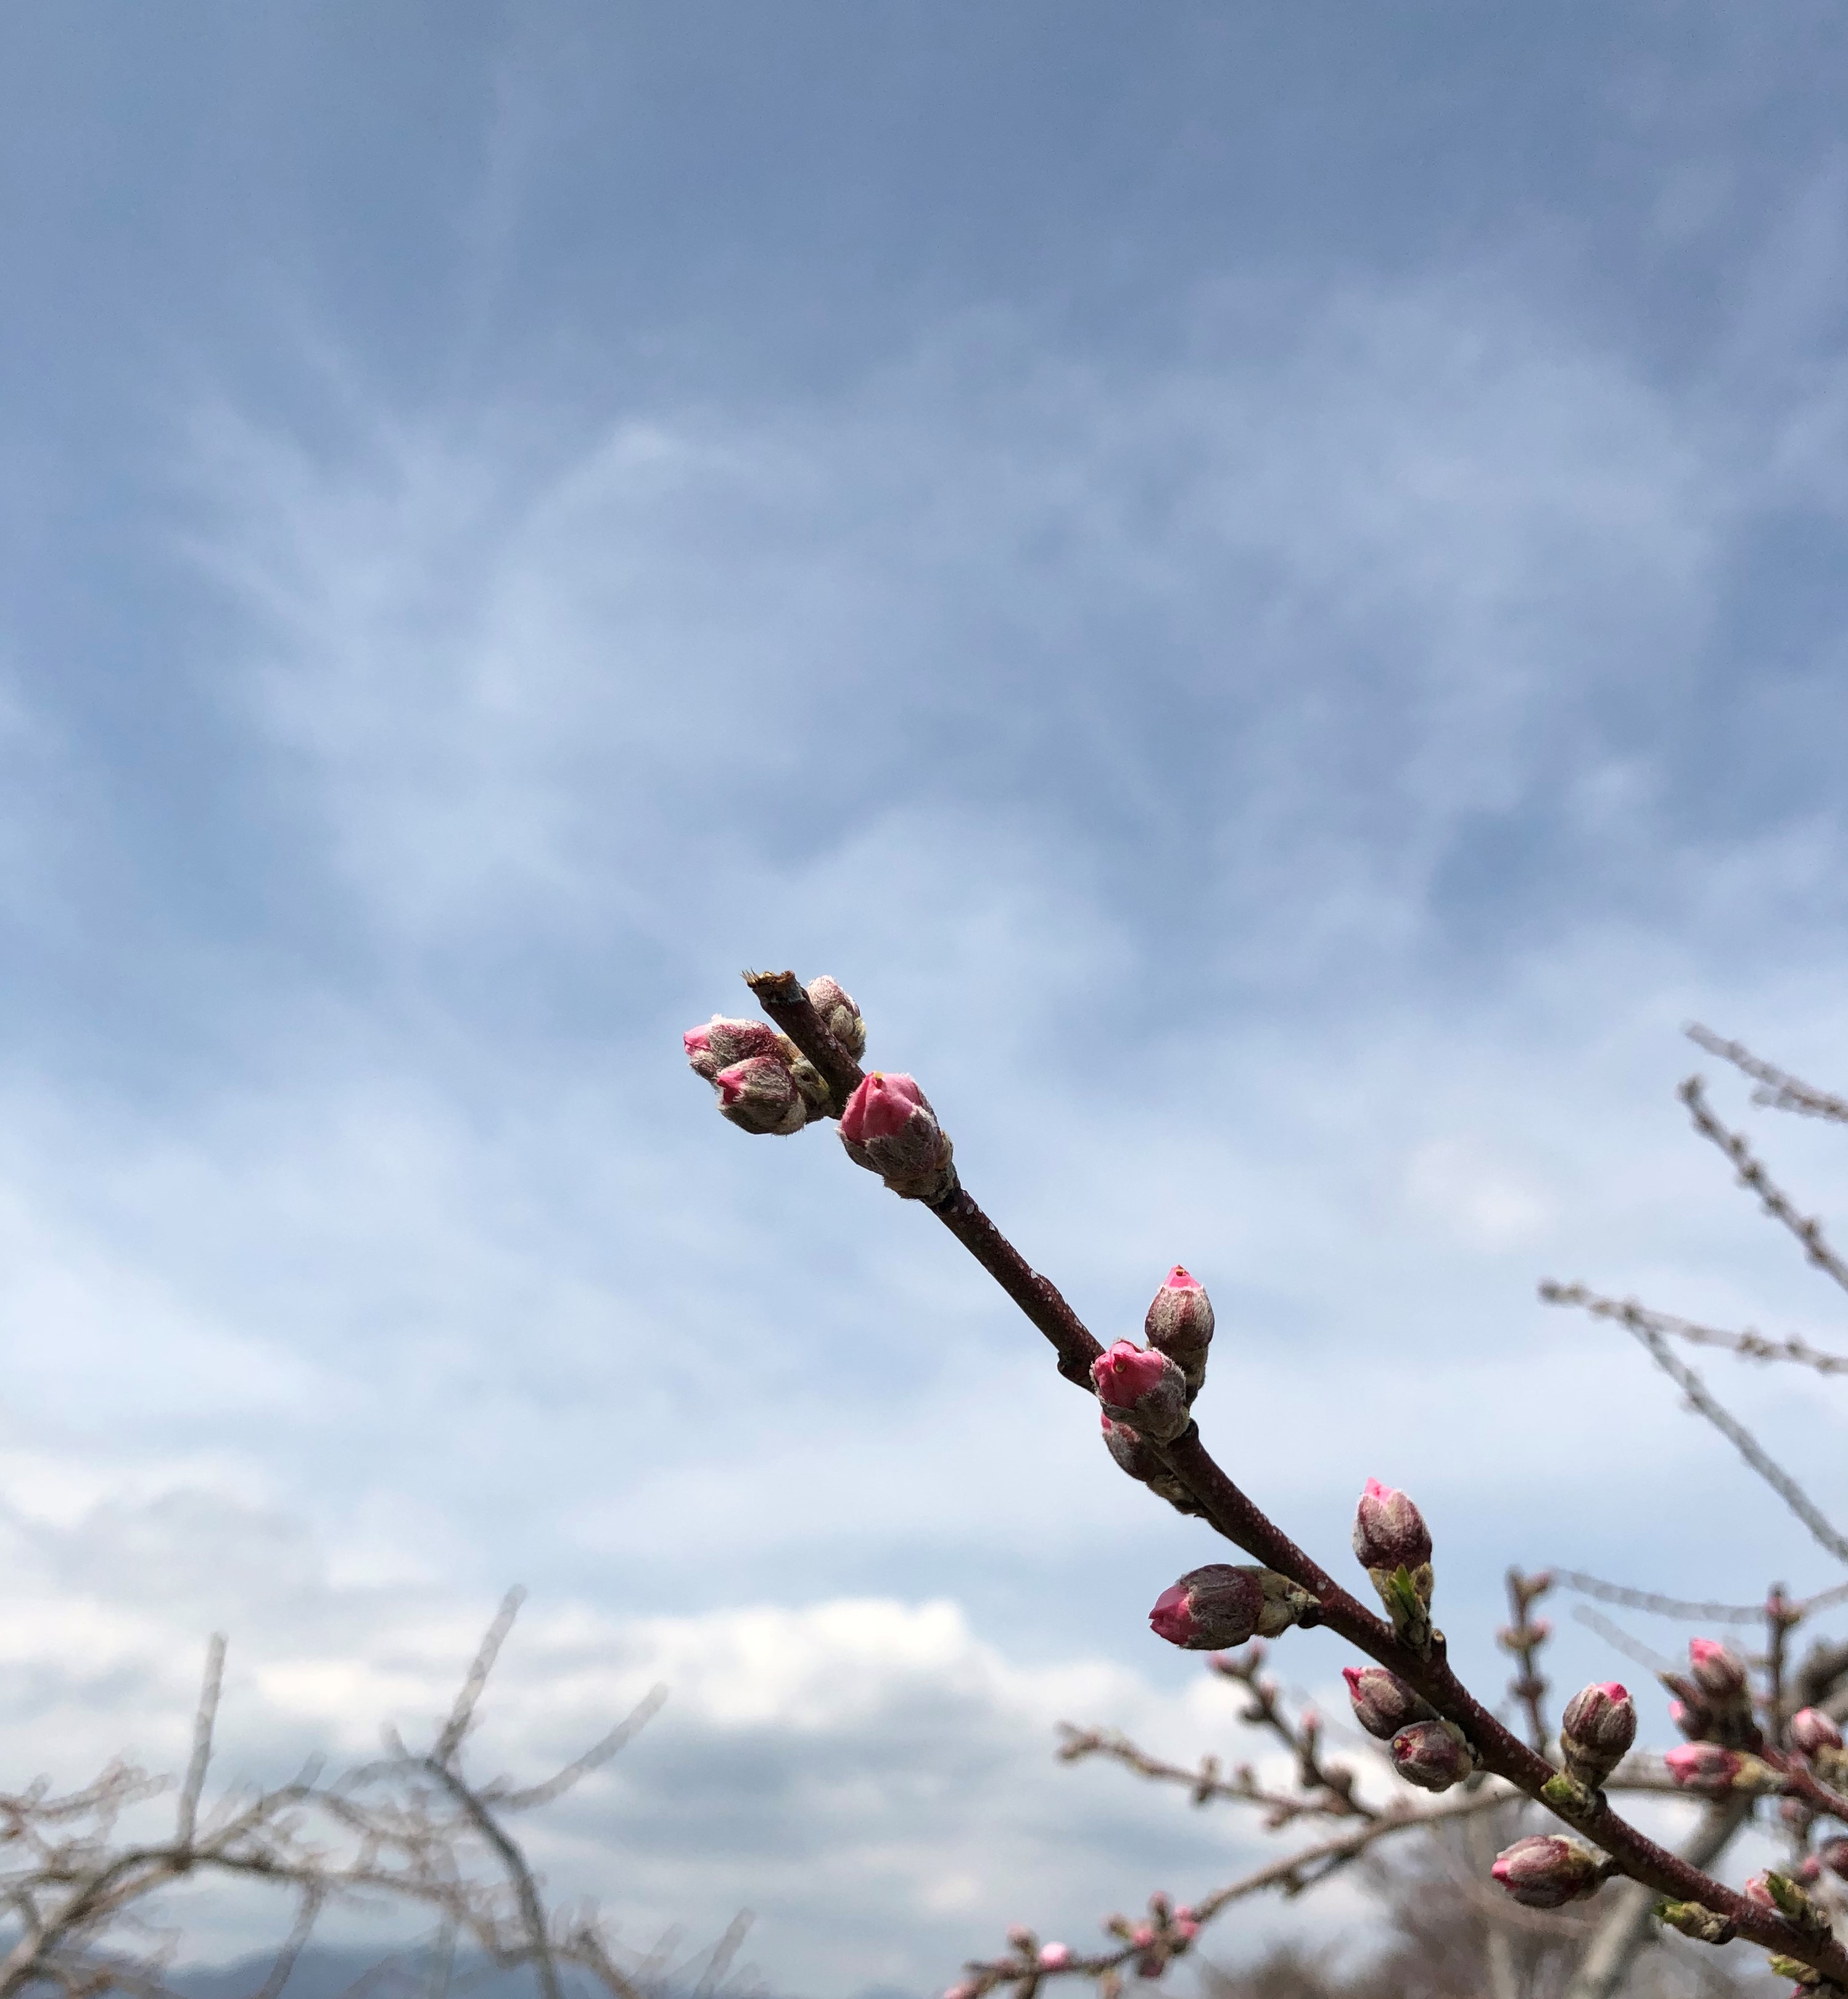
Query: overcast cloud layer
1268, 594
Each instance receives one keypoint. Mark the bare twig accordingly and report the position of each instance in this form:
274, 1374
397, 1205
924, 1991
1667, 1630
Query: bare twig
204, 1720
1771, 1198
1777, 1089
1753, 1344
1702, 1401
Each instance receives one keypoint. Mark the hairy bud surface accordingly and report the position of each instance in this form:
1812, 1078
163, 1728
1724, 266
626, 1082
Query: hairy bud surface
1383, 1702
1180, 1325
1812, 1732
1219, 1605
1597, 1730
889, 1127
839, 1015
1546, 1871
1142, 1387
759, 1094
722, 1042
1434, 1756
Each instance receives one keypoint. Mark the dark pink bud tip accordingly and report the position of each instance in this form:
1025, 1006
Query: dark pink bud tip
880, 1108
1126, 1374
1172, 1617
1054, 1956
1180, 1278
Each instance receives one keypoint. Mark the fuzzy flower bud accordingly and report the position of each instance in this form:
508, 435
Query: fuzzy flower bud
1720, 1677
839, 1015
1597, 1730
759, 1094
1393, 1544
1833, 1854
889, 1127
1143, 1388
1383, 1704
1812, 1731
1180, 1325
722, 1042
1054, 1956
1212, 1608
1432, 1755
1704, 1766
1389, 1531
1546, 1872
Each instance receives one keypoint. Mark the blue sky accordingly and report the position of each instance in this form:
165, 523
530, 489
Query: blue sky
1265, 586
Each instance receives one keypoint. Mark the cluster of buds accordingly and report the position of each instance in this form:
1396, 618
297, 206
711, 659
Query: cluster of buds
889, 1127
1147, 1392
1393, 1546
1547, 1871
1712, 1700
1596, 1731
1165, 1934
1211, 1608
766, 1084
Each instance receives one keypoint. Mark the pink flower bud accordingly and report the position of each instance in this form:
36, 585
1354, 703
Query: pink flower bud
1704, 1766
1695, 1722
889, 1127
1383, 1704
1812, 1731
1185, 1926
1720, 1677
1144, 1389
839, 1015
1389, 1531
1432, 1755
1218, 1606
1545, 1871
759, 1094
1833, 1854
960, 1992
1596, 1729
722, 1042
1055, 1956
1180, 1325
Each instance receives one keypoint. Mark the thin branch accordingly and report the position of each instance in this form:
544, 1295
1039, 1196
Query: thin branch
1701, 1400
1771, 1198
1615, 1634
463, 1713
272, 1985
1676, 1606
1236, 1517
598, 1754
532, 1909
1751, 1343
1777, 1088
204, 1720
723, 1951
